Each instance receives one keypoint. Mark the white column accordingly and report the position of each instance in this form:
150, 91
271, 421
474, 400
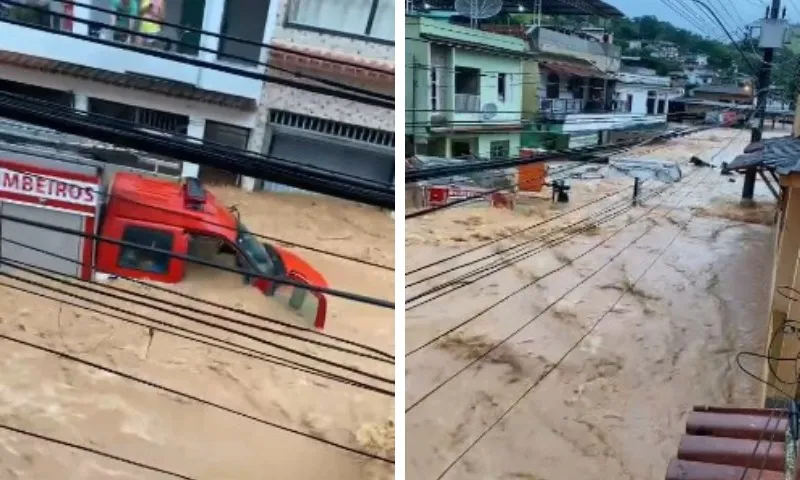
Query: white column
256, 144
197, 127
212, 22
78, 26
80, 101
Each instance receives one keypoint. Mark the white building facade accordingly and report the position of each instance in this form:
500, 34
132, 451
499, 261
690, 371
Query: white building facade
159, 94
351, 42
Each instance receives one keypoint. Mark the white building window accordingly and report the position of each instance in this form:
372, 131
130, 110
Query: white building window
434, 87
499, 149
652, 96
362, 18
502, 85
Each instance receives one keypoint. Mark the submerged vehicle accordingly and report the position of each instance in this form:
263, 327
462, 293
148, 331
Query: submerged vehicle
183, 218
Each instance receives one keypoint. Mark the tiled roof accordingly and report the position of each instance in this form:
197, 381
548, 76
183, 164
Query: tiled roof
731, 443
779, 154
371, 70
129, 80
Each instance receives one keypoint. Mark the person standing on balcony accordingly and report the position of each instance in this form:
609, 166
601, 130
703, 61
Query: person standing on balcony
124, 7
151, 10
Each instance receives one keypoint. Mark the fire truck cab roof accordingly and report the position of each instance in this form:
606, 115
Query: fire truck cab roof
186, 205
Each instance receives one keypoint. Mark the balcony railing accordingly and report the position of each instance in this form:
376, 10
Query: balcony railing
125, 27
467, 103
605, 55
567, 106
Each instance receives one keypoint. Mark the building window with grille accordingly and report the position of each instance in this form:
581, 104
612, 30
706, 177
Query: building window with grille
553, 85
156, 120
662, 104
652, 96
434, 89
499, 149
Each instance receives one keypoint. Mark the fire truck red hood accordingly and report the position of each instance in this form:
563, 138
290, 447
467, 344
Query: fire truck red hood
299, 266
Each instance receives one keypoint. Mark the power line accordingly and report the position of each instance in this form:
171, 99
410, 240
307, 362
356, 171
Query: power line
331, 92
512, 234
272, 344
28, 267
201, 48
94, 451
452, 170
552, 239
549, 369
202, 301
194, 398
187, 28
98, 238
532, 282
307, 178
216, 224
419, 174
220, 343
254, 338
124, 125
498, 253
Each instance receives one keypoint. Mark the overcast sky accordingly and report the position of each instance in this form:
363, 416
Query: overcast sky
738, 10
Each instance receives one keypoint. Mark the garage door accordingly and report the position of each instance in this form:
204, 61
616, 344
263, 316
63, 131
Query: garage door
349, 160
62, 244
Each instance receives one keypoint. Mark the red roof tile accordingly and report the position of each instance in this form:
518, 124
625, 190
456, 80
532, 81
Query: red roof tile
721, 443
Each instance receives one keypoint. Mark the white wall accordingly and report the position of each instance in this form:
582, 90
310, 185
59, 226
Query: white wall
485, 140
488, 84
129, 96
78, 51
290, 99
639, 93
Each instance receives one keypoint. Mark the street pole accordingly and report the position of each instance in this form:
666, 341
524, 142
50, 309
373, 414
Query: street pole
748, 189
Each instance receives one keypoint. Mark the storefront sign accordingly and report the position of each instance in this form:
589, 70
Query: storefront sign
48, 187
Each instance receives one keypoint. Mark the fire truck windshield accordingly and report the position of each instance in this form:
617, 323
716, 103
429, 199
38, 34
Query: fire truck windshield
262, 256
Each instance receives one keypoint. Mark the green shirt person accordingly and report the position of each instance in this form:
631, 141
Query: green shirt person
124, 7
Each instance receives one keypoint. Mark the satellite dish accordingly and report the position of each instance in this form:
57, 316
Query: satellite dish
478, 9
488, 111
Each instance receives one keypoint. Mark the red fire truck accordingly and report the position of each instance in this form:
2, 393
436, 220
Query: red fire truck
183, 218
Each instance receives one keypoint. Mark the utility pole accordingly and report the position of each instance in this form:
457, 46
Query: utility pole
748, 189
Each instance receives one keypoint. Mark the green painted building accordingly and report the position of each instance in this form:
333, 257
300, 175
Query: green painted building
464, 89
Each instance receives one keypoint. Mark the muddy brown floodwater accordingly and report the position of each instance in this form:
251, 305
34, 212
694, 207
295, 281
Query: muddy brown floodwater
641, 326
79, 404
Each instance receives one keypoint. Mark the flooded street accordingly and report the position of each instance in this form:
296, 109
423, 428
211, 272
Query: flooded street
244, 436
625, 319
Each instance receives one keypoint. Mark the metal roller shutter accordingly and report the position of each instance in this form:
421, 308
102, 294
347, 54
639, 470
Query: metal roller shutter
62, 244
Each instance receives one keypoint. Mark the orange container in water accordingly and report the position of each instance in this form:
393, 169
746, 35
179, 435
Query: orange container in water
531, 176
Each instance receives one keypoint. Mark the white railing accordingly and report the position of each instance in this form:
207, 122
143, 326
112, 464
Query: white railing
467, 103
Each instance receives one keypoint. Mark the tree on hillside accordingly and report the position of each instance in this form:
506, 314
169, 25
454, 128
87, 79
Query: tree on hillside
721, 56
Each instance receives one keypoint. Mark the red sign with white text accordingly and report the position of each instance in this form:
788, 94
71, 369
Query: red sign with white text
48, 190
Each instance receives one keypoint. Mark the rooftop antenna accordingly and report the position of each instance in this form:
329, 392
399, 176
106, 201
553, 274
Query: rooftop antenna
478, 9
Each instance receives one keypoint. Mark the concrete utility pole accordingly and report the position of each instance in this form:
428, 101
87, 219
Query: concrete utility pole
748, 189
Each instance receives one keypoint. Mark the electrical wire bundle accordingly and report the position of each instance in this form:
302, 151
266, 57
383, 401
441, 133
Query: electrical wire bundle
107, 129
582, 155
551, 366
299, 175
331, 360
219, 331
787, 328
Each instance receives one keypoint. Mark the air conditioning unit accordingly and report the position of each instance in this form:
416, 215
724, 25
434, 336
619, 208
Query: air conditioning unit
488, 111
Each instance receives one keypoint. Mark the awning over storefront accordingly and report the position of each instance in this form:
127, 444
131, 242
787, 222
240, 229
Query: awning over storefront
346, 157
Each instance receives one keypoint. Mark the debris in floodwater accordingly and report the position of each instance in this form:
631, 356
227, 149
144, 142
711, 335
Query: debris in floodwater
699, 162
